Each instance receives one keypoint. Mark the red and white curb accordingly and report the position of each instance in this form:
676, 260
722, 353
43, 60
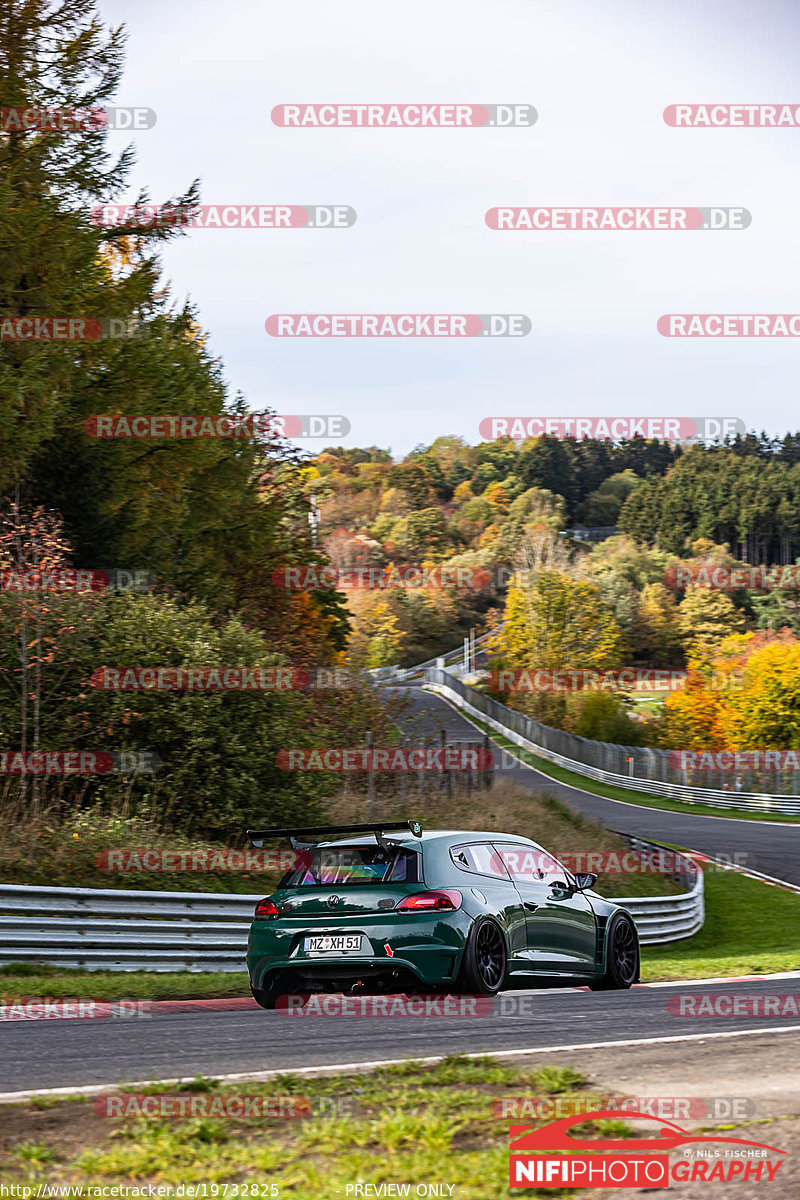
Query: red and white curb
37, 1009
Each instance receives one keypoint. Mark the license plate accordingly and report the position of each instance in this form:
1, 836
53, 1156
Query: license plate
338, 943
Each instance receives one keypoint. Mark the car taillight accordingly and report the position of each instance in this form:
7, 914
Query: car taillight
266, 910
446, 900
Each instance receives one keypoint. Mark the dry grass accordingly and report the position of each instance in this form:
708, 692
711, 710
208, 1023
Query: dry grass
61, 851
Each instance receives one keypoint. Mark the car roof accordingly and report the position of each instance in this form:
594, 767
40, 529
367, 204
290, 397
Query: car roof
408, 840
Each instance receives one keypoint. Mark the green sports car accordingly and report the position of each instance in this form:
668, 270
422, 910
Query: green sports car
389, 908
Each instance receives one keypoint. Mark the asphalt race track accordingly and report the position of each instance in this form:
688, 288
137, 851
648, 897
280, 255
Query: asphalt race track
773, 848
70, 1053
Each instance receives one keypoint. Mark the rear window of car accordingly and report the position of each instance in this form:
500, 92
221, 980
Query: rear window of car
355, 866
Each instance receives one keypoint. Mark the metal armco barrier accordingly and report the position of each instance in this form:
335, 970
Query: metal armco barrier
111, 930
604, 761
662, 919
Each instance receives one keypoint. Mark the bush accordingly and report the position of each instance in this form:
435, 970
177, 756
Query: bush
602, 717
218, 749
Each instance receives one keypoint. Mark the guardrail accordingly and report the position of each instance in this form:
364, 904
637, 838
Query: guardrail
112, 930
452, 660
542, 740
661, 919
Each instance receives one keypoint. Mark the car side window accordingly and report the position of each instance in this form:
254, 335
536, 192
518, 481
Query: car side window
524, 863
480, 858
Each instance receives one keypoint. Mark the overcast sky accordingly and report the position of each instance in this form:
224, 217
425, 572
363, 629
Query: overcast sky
599, 77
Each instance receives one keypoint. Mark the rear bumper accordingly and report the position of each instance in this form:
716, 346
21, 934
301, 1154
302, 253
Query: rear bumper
425, 948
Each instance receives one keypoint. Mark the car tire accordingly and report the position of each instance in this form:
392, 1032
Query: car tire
266, 997
484, 962
623, 959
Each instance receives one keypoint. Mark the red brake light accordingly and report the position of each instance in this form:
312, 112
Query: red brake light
446, 900
266, 910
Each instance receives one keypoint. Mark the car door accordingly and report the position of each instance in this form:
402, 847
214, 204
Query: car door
560, 921
565, 926
492, 885
522, 863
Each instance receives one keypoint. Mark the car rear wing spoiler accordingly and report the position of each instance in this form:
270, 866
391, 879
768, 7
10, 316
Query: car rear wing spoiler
297, 836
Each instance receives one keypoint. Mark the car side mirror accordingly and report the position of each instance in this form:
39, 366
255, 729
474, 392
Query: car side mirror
585, 880
560, 888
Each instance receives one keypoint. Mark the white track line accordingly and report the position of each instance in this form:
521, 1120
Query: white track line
662, 983
668, 983
338, 1068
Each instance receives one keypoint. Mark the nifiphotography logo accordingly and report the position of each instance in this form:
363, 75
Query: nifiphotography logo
636, 1163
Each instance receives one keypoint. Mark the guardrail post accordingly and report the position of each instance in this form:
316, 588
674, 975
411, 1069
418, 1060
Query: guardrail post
370, 777
447, 781
404, 774
488, 770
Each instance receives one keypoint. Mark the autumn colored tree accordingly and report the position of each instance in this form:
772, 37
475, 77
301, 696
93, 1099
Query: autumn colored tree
554, 623
741, 694
765, 713
557, 623
602, 717
691, 718
36, 620
378, 637
657, 637
705, 618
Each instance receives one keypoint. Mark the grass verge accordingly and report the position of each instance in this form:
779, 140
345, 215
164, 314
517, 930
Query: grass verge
19, 980
750, 928
409, 1123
